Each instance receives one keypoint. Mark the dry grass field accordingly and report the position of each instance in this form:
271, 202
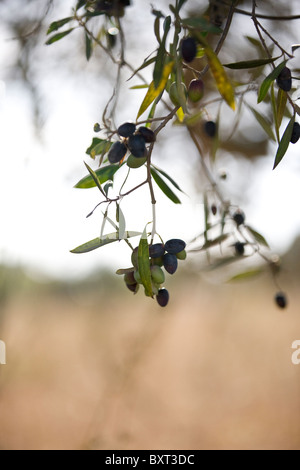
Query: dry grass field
105, 370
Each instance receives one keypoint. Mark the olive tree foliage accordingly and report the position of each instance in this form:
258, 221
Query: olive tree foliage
194, 87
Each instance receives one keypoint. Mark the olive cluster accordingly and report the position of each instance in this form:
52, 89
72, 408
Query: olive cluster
131, 139
160, 256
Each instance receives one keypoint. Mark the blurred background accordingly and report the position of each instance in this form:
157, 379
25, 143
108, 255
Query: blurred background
88, 365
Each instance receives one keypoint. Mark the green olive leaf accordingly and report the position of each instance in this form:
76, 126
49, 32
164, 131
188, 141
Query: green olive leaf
249, 64
246, 275
103, 174
284, 142
144, 264
56, 25
58, 37
264, 88
164, 187
264, 122
99, 242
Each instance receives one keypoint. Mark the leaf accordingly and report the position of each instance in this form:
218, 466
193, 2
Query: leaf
95, 178
206, 220
181, 3
145, 64
107, 188
274, 109
256, 43
144, 264
138, 87
284, 143
122, 223
157, 13
164, 187
193, 119
153, 92
88, 47
246, 275
168, 177
249, 64
258, 237
157, 29
98, 147
56, 25
264, 123
219, 263
281, 105
161, 54
80, 4
295, 47
121, 272
264, 88
58, 37
99, 242
201, 24
180, 115
215, 241
103, 174
223, 84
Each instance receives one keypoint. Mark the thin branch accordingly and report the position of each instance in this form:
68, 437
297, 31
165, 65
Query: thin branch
268, 17
257, 27
273, 39
222, 38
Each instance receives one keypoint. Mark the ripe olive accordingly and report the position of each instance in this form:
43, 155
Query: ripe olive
188, 49
129, 278
133, 287
137, 146
162, 297
239, 248
175, 246
117, 152
239, 217
157, 275
127, 129
210, 128
134, 257
196, 90
281, 300
214, 209
296, 133
284, 79
170, 263
148, 135
157, 250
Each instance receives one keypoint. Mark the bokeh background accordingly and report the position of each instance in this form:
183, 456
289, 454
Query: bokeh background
88, 365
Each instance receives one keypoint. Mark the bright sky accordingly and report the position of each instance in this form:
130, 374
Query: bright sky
43, 216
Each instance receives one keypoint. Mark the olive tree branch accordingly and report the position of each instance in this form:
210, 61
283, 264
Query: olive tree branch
268, 17
257, 27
